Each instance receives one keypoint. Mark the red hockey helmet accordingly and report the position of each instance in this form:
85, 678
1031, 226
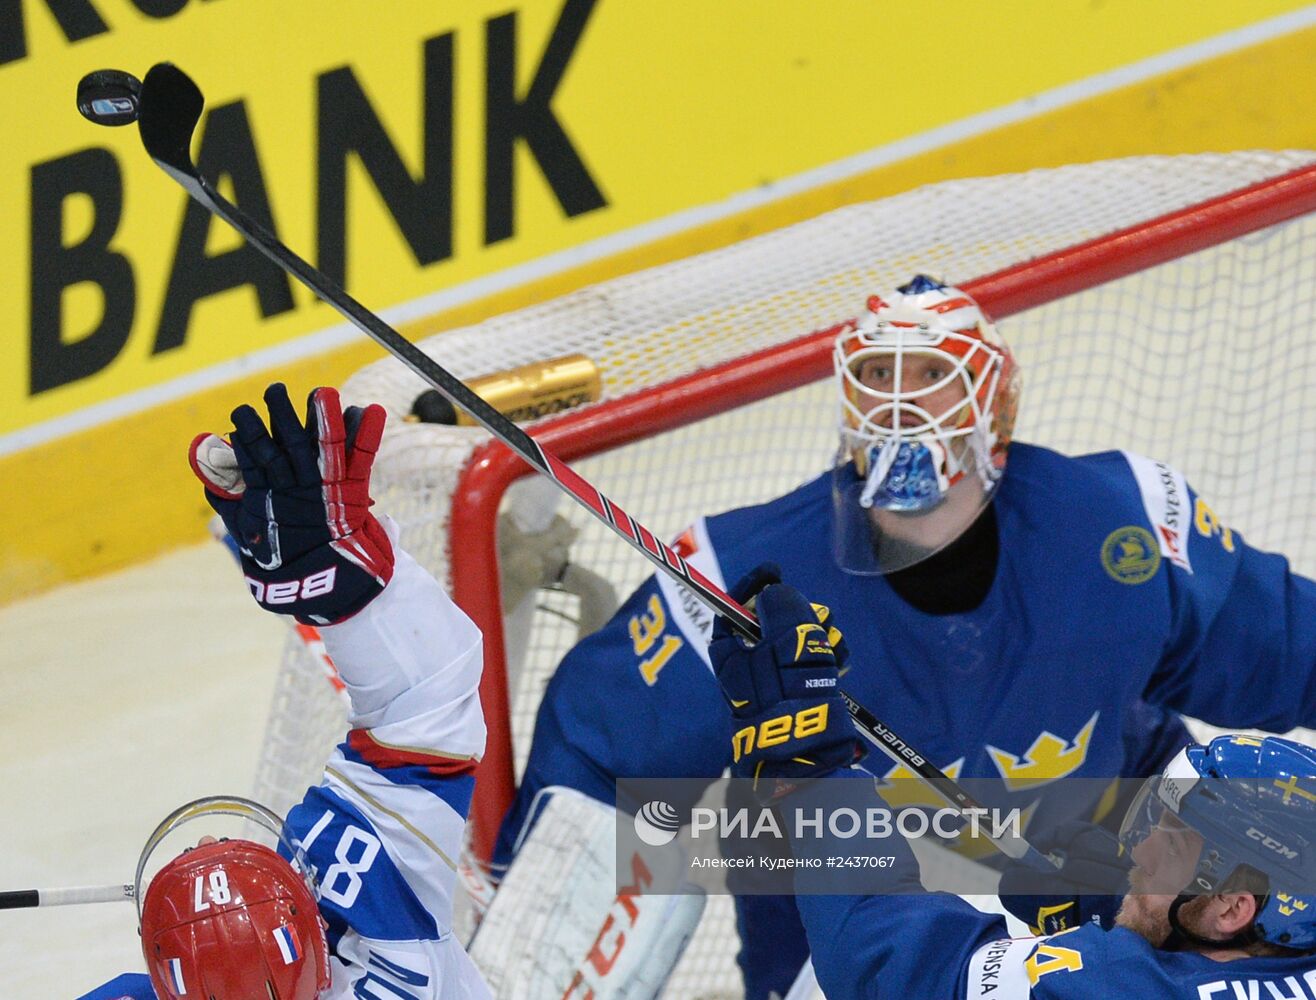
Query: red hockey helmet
231, 920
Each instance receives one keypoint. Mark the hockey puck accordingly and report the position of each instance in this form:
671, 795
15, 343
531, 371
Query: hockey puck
432, 407
109, 97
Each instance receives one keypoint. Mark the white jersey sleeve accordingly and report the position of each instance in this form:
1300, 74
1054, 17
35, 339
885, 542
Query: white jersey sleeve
383, 830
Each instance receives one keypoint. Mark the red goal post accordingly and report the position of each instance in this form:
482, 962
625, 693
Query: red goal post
648, 412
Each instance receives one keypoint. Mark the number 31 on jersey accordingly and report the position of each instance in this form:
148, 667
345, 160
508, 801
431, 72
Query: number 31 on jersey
645, 631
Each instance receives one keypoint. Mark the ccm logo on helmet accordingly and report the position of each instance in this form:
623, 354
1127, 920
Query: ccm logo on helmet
1272, 844
288, 591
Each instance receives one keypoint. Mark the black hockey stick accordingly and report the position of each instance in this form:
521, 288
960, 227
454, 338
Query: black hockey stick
168, 109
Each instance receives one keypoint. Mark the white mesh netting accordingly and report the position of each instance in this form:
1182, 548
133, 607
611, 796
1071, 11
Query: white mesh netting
1204, 362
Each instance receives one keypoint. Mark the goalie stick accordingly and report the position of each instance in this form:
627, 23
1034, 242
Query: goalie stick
168, 108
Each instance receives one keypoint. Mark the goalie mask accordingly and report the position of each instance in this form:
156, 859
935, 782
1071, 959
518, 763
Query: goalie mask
1236, 815
231, 919
928, 396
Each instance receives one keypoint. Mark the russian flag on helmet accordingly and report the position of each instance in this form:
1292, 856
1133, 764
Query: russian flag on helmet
289, 947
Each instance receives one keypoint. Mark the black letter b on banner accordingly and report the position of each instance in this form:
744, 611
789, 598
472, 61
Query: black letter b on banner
55, 267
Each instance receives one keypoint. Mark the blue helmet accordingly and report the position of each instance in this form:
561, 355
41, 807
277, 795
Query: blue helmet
1253, 802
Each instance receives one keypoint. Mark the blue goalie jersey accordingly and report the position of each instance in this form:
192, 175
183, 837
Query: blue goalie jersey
1119, 598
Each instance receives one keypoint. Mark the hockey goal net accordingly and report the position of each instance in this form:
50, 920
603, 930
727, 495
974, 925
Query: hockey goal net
1164, 305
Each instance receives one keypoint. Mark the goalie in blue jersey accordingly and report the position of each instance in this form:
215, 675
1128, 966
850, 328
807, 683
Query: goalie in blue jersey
1019, 615
1222, 890
358, 900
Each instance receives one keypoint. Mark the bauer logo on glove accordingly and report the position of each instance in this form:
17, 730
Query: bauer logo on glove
296, 498
791, 723
778, 730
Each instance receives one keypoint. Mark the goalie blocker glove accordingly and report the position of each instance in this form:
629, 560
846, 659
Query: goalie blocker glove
790, 722
296, 497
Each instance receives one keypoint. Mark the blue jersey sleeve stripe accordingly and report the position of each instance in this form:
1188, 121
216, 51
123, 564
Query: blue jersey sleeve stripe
129, 986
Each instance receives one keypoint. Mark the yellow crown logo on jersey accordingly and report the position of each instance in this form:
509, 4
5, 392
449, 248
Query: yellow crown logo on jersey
901, 787
1048, 759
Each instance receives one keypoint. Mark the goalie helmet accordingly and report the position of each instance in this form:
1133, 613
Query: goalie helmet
928, 394
1241, 802
231, 919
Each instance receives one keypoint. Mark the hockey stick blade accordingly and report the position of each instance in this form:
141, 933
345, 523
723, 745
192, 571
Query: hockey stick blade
171, 106
18, 899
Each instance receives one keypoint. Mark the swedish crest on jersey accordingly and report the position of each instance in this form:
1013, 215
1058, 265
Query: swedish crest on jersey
1049, 758
1130, 555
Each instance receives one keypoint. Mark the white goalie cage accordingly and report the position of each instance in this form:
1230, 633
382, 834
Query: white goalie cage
1205, 361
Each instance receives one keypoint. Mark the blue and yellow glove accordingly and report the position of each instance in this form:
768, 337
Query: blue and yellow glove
790, 722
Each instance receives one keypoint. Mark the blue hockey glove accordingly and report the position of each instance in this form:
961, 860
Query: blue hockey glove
296, 498
1089, 885
790, 722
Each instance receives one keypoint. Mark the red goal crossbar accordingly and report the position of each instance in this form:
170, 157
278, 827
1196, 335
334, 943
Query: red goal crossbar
494, 467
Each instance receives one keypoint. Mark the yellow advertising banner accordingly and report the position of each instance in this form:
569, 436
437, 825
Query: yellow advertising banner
408, 147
